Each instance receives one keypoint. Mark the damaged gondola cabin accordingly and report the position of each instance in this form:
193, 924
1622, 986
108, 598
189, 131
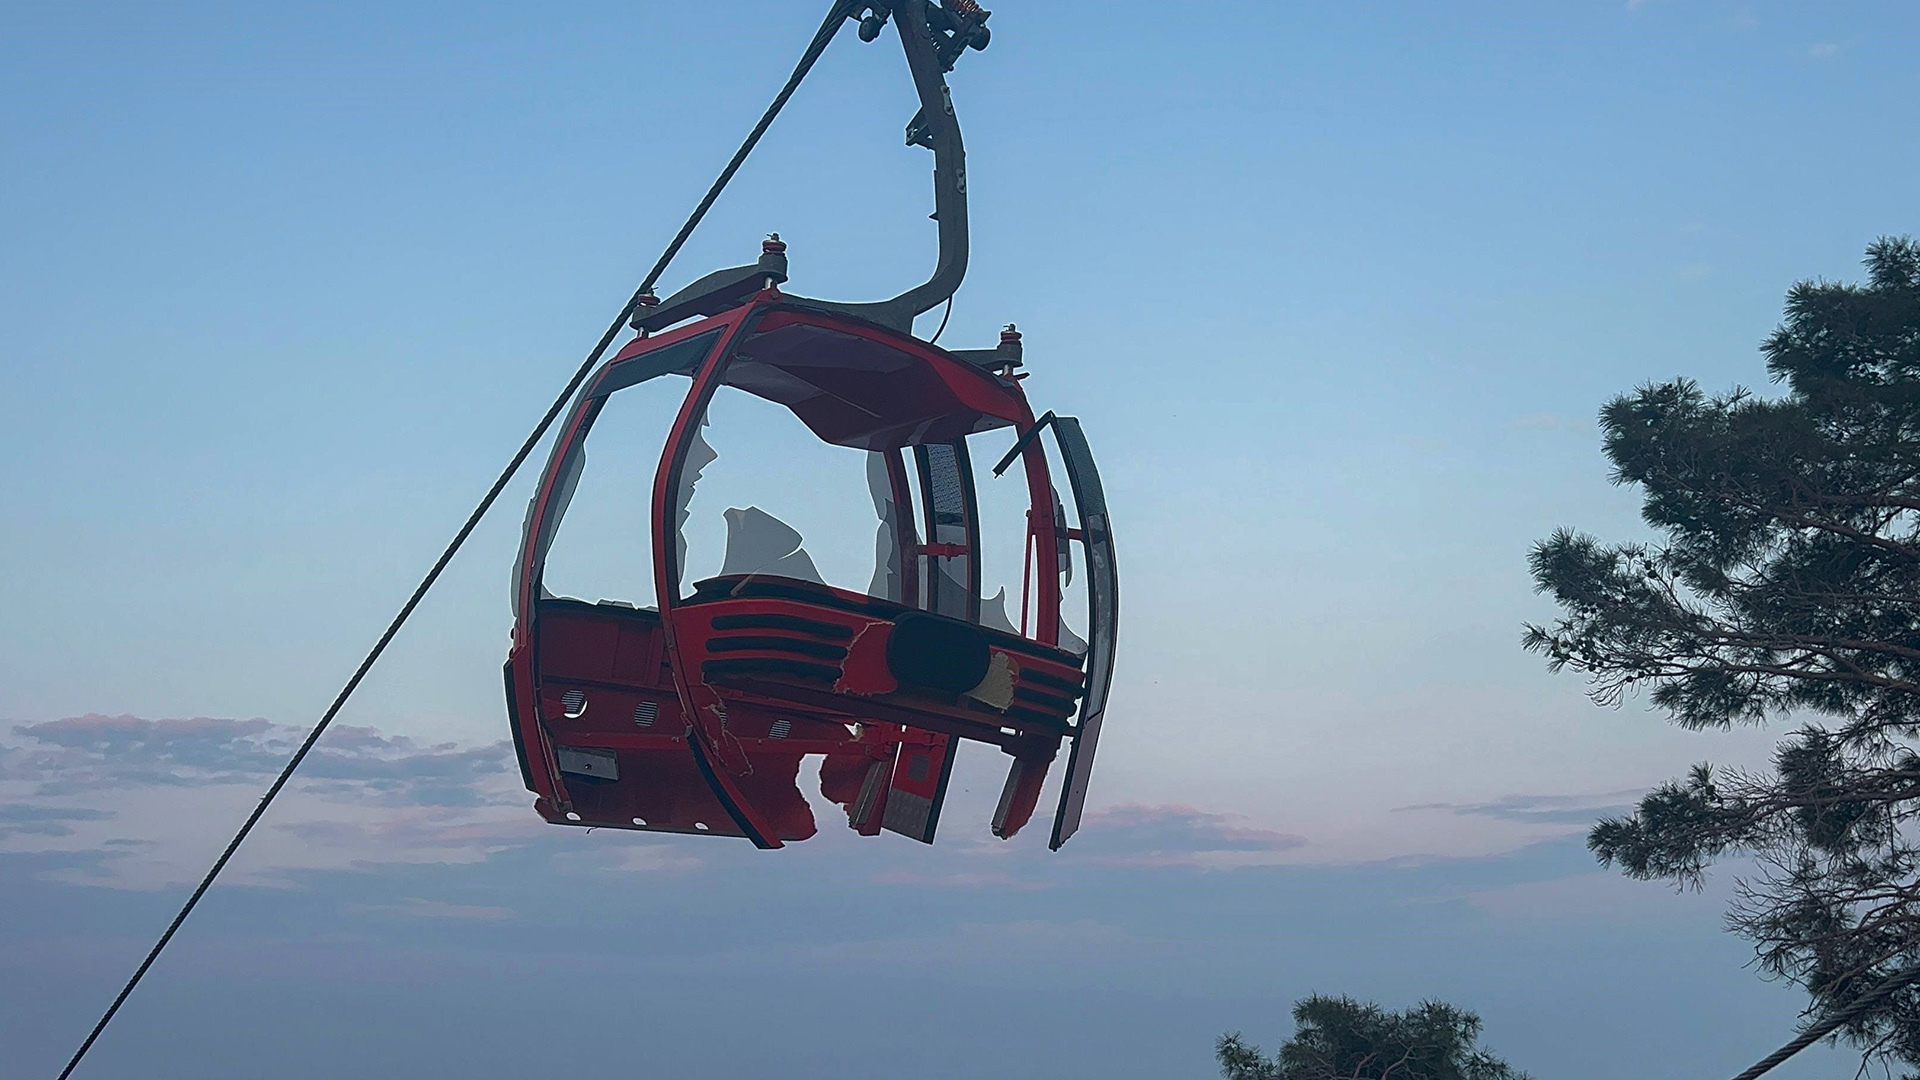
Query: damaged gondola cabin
692, 714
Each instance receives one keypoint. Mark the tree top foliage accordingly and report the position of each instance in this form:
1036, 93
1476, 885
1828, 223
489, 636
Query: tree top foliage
1338, 1038
1785, 582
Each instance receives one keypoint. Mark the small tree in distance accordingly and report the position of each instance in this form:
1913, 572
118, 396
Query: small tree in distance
1786, 582
1338, 1038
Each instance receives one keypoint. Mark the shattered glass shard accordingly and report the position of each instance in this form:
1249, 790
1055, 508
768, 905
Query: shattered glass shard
759, 543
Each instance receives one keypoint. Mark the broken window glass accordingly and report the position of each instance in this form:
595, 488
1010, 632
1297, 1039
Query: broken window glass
598, 529
763, 496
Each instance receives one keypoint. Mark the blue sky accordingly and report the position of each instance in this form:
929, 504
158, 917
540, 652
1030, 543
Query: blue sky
1336, 291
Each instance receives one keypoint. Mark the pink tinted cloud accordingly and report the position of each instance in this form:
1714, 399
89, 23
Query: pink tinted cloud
1178, 835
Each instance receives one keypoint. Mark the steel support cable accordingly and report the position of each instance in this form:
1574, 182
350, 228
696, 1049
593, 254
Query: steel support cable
835, 17
1827, 1026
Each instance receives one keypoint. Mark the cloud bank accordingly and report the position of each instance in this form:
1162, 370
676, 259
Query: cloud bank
125, 802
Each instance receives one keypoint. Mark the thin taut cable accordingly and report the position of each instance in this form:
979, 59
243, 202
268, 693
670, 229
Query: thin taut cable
1827, 1026
835, 17
830, 26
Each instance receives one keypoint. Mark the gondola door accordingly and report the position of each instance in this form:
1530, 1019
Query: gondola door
1095, 535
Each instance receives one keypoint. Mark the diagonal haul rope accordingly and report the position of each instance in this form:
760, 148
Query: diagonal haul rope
835, 17
1827, 1026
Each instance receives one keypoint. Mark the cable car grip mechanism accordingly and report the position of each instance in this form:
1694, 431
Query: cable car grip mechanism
933, 36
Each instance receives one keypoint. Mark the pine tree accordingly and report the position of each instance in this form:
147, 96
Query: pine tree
1338, 1038
1785, 583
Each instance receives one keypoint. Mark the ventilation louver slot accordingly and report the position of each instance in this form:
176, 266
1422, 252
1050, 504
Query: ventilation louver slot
780, 730
645, 713
574, 703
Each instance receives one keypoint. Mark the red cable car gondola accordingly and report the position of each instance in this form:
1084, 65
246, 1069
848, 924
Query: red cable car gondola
693, 716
